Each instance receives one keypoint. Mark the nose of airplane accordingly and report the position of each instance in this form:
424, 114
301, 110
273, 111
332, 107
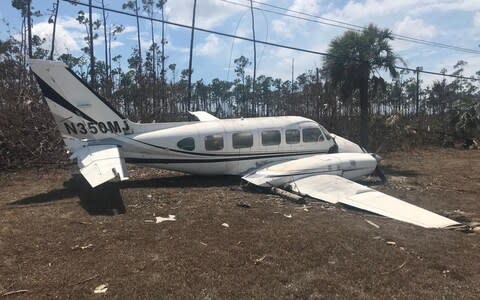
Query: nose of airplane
377, 157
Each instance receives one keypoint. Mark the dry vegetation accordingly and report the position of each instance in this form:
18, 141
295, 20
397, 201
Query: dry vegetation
322, 252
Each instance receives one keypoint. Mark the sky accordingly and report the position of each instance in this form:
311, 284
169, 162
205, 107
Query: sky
444, 21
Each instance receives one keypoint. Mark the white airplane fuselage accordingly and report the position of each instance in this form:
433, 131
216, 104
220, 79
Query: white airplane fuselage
222, 147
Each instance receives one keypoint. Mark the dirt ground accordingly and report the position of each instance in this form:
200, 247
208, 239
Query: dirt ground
57, 241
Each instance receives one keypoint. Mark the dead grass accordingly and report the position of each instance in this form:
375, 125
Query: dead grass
325, 252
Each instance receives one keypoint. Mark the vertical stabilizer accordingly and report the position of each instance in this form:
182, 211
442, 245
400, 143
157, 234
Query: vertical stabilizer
78, 110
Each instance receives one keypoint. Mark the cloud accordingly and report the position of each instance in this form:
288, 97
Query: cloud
286, 26
476, 21
209, 13
69, 35
210, 47
416, 28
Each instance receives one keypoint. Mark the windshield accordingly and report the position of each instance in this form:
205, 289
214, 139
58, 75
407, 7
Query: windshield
325, 132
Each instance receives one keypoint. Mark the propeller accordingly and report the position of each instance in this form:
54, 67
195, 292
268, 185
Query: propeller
378, 171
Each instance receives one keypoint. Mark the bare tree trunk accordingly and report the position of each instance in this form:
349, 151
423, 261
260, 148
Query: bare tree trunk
254, 59
138, 38
29, 28
90, 44
162, 76
107, 75
54, 29
364, 111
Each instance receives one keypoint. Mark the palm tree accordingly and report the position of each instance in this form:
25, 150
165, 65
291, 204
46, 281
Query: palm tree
354, 60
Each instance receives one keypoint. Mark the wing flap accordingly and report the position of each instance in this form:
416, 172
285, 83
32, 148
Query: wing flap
99, 164
335, 189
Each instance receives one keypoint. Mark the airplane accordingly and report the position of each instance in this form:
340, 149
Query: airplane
288, 152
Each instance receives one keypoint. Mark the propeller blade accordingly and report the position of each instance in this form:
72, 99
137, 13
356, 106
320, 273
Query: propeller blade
379, 173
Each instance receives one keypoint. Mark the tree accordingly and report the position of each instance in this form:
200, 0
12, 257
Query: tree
133, 6
90, 28
352, 62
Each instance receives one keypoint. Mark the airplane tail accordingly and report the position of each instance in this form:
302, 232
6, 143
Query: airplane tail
79, 112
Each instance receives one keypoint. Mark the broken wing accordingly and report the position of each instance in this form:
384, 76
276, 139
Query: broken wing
336, 189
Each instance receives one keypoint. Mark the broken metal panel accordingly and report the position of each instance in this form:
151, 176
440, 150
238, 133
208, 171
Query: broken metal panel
335, 189
99, 164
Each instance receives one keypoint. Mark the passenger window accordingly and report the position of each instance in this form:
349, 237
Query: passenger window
271, 137
311, 135
242, 140
187, 144
292, 136
214, 142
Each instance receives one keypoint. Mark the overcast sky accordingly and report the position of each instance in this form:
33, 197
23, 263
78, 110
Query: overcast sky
445, 21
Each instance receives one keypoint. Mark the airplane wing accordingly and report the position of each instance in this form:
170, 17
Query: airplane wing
100, 163
322, 181
336, 189
203, 116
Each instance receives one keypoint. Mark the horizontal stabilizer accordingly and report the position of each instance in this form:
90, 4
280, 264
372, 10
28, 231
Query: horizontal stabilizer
336, 189
99, 164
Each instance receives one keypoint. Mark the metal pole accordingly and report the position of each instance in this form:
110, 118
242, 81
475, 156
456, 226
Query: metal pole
190, 61
417, 92
254, 58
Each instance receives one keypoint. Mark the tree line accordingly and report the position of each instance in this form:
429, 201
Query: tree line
347, 89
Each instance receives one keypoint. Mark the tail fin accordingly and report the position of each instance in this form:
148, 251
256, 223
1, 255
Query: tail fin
78, 110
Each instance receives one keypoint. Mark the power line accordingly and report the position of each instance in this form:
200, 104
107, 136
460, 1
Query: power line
354, 27
257, 41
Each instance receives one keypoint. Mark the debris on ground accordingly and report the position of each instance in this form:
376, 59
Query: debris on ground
161, 219
244, 204
14, 292
225, 225
397, 268
390, 243
101, 289
205, 244
287, 216
371, 223
259, 260
82, 247
85, 280
289, 196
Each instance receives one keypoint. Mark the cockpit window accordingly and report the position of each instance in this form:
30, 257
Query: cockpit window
326, 133
292, 136
312, 135
186, 144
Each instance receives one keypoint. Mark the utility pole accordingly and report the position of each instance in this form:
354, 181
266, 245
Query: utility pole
90, 44
417, 92
293, 68
54, 28
190, 61
317, 92
29, 28
254, 58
